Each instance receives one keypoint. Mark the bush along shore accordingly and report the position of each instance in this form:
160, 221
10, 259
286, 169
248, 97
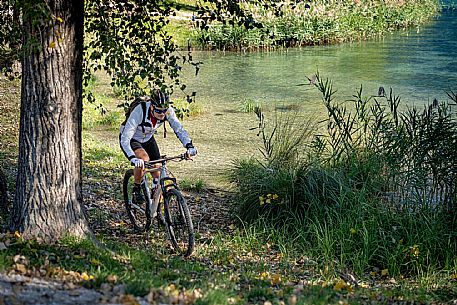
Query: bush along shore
373, 190
317, 22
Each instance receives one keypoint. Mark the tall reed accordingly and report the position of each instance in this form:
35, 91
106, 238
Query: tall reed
376, 190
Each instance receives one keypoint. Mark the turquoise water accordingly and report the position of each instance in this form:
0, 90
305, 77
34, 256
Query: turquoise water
419, 64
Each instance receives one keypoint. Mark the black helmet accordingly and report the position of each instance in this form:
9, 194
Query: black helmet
160, 99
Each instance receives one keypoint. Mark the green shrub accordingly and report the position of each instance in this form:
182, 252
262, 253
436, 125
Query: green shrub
317, 22
97, 115
111, 118
185, 109
191, 185
376, 190
248, 106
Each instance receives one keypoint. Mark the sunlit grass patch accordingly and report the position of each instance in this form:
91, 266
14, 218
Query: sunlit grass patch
182, 29
185, 109
248, 105
217, 296
10, 93
196, 185
103, 114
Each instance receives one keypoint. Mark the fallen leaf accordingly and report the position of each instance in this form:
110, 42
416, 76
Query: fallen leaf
292, 300
276, 279
340, 285
129, 300
111, 278
192, 296
364, 285
86, 277
151, 296
20, 268
264, 275
20, 259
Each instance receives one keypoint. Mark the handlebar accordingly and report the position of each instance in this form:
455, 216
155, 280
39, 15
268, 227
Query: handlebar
184, 156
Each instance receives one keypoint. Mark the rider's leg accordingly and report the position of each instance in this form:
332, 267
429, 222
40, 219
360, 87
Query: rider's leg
138, 173
156, 174
154, 153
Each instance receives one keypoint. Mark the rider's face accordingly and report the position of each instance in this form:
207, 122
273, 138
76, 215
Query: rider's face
159, 113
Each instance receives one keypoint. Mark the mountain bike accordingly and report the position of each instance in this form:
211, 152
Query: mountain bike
166, 203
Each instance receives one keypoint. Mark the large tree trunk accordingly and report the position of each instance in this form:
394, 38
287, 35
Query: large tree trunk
48, 201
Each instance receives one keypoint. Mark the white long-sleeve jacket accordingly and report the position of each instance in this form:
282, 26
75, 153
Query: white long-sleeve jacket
133, 130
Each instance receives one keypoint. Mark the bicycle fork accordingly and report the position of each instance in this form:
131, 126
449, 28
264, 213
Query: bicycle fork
160, 189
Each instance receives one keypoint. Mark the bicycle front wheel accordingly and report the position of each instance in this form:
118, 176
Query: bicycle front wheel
138, 213
179, 222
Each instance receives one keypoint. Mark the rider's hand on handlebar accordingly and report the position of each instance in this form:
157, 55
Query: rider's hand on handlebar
137, 162
191, 151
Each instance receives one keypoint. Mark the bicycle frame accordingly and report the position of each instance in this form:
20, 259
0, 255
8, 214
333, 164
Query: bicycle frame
163, 177
175, 216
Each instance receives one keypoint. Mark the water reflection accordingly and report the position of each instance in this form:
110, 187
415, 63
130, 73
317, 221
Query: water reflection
419, 64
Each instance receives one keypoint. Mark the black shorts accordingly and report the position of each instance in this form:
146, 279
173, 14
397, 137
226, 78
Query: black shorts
150, 147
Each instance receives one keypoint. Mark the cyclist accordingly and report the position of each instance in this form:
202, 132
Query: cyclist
137, 135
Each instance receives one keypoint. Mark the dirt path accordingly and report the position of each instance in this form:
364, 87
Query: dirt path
18, 289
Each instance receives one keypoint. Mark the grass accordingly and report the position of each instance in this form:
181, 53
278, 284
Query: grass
197, 185
247, 262
318, 22
9, 133
96, 116
248, 106
244, 267
185, 109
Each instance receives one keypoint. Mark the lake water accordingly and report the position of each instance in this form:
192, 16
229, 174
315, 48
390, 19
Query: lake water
419, 64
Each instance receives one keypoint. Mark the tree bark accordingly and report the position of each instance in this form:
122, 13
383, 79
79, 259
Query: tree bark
48, 200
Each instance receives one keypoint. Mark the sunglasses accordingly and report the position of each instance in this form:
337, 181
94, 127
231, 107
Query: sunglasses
160, 111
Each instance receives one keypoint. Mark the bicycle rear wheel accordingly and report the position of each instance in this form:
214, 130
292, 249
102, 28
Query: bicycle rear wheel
140, 215
179, 222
